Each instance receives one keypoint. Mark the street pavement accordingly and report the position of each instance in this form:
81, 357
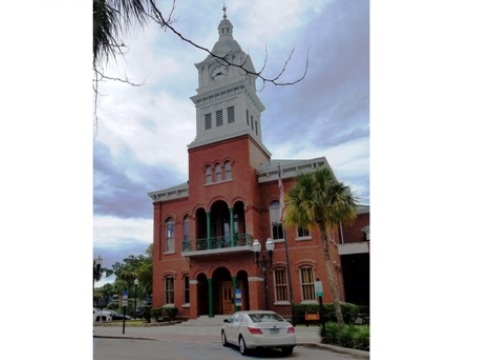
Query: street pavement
205, 331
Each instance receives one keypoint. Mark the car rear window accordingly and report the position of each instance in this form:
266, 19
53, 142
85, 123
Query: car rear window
265, 317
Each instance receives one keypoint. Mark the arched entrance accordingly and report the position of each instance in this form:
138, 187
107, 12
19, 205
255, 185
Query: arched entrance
223, 292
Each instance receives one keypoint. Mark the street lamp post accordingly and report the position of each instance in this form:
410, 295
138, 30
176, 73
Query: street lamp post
135, 282
257, 247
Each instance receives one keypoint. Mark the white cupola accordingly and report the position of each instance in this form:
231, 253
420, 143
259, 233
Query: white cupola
226, 103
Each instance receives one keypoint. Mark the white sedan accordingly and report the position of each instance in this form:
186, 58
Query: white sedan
101, 315
258, 329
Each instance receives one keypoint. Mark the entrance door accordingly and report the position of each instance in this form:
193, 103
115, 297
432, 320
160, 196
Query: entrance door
227, 297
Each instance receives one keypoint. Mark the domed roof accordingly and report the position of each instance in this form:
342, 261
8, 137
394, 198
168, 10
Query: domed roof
226, 43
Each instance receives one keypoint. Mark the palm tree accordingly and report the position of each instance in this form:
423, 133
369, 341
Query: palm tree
317, 198
111, 18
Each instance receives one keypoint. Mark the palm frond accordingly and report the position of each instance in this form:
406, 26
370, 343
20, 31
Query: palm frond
318, 197
111, 19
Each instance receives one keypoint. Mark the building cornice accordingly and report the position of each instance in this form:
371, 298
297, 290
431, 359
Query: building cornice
289, 168
229, 89
243, 134
172, 193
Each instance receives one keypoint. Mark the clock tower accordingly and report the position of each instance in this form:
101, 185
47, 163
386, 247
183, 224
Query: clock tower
227, 105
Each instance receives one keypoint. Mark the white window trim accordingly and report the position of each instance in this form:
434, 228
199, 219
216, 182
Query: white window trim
303, 238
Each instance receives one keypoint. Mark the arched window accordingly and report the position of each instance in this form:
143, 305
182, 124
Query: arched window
218, 173
170, 235
228, 170
208, 174
276, 226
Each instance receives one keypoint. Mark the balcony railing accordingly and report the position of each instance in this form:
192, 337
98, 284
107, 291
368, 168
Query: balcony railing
198, 246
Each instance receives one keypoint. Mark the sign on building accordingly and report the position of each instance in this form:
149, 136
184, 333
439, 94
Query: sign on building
318, 288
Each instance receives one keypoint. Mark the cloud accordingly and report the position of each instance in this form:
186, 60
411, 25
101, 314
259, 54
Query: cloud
111, 231
121, 183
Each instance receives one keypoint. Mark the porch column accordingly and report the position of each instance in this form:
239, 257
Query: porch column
255, 291
193, 299
208, 231
232, 230
210, 297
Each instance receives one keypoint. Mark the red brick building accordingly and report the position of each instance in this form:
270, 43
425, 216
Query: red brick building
204, 229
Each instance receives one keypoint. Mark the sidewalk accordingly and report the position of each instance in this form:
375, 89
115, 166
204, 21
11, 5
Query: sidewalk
208, 331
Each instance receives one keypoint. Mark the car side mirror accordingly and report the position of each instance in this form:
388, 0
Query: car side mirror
226, 320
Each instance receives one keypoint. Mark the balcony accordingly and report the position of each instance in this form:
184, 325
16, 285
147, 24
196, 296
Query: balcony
217, 245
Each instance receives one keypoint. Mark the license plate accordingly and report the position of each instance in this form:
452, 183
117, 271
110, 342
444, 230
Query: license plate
274, 331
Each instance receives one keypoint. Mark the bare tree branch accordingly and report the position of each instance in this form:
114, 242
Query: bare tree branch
99, 76
113, 17
274, 80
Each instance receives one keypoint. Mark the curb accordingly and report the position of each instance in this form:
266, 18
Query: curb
358, 354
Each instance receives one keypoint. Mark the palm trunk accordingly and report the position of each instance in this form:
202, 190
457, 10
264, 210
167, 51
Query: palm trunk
330, 274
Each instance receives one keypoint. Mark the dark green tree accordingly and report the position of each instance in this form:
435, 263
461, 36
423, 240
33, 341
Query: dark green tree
135, 267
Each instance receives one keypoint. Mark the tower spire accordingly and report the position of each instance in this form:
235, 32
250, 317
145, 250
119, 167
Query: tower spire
224, 10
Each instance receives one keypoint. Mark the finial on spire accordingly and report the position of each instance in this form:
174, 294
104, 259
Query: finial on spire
224, 10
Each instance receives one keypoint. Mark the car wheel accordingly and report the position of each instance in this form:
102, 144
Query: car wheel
242, 346
224, 339
287, 350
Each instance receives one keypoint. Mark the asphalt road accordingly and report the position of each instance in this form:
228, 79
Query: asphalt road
134, 349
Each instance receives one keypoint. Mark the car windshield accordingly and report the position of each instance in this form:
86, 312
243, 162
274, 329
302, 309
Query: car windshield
265, 317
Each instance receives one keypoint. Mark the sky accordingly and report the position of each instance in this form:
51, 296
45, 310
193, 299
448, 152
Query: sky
419, 154
142, 133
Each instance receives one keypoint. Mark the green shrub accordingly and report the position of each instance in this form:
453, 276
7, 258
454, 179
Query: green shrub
301, 309
361, 340
349, 312
349, 336
171, 312
329, 313
331, 333
345, 336
156, 313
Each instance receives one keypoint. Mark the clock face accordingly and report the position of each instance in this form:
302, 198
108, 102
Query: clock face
219, 72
